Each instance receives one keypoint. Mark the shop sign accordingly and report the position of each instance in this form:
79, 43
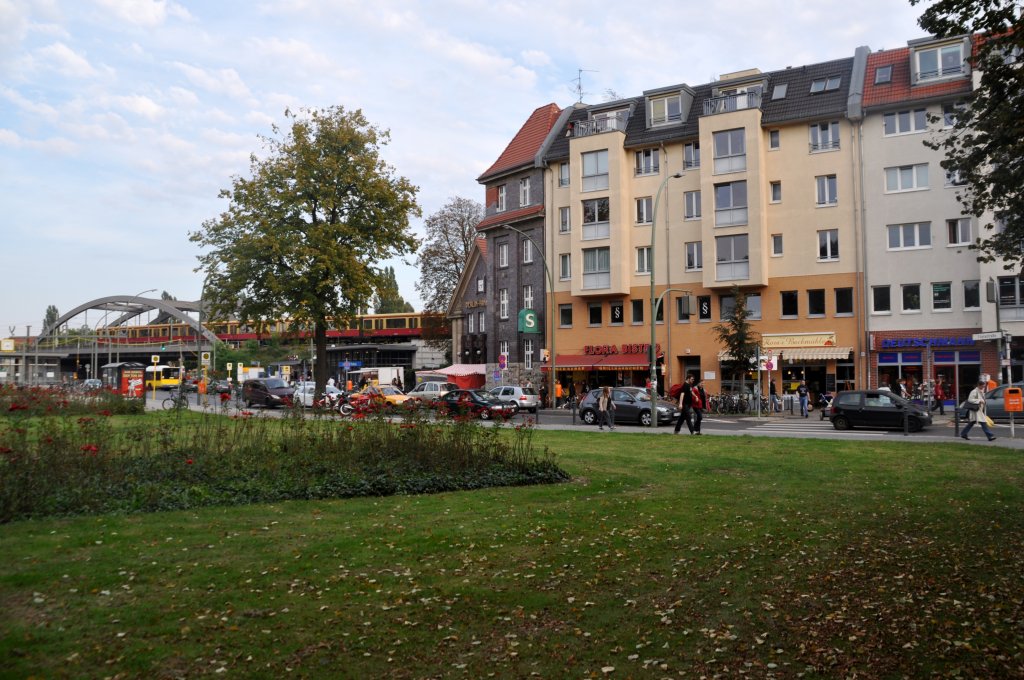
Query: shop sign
895, 343
944, 358
797, 340
624, 348
889, 357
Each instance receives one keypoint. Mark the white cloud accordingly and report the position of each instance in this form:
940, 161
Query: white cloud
146, 13
65, 61
140, 106
53, 146
224, 81
34, 108
536, 58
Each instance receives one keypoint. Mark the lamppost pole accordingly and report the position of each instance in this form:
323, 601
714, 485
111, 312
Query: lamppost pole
547, 317
652, 389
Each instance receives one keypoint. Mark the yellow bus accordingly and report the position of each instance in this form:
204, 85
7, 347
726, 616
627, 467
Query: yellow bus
163, 377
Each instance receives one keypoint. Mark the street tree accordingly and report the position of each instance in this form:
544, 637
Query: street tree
51, 316
985, 147
450, 234
301, 236
388, 299
738, 337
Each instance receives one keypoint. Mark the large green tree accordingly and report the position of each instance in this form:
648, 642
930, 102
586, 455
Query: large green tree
301, 236
739, 337
388, 299
986, 145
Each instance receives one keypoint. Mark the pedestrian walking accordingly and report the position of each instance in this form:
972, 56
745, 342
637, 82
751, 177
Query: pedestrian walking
605, 409
686, 406
774, 394
976, 411
940, 396
558, 394
700, 402
801, 393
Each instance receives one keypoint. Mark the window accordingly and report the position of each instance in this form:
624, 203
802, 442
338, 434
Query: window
939, 62
816, 303
779, 91
595, 170
911, 297
730, 151
825, 84
503, 347
828, 244
565, 316
470, 325
527, 251
775, 189
959, 231
904, 122
691, 155
883, 75
615, 313
950, 113
564, 266
596, 268
665, 110
773, 139
694, 256
563, 220
480, 285
732, 257
726, 307
844, 301
527, 297
972, 294
790, 300
730, 204
704, 307
776, 245
643, 210
524, 191
754, 306
906, 178
501, 199
691, 205
1011, 291
528, 354
827, 190
942, 296
647, 162
503, 303
638, 311
595, 219
910, 236
480, 322
563, 174
595, 313
954, 179
825, 136
643, 260
503, 254
682, 309
880, 302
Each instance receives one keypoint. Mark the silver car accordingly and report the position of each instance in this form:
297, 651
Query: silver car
525, 398
431, 391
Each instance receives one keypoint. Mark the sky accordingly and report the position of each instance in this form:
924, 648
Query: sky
122, 120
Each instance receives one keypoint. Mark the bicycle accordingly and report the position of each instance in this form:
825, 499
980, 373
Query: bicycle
175, 402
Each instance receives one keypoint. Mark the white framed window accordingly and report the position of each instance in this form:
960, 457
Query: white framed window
616, 315
528, 354
950, 112
563, 174
789, 304
776, 245
480, 285
595, 219
730, 151
524, 191
643, 210
503, 303
911, 294
828, 244
527, 251
595, 170
827, 190
691, 155
564, 266
824, 136
883, 74
694, 256
775, 191
564, 225
881, 300
503, 348
730, 204
565, 316
691, 205
910, 236
815, 303
647, 162
905, 122
732, 257
480, 323
503, 254
500, 207
596, 268
470, 325
825, 84
779, 91
942, 297
959, 231
774, 139
754, 306
594, 314
643, 260
527, 296
638, 312
972, 295
844, 301
906, 178
939, 62
666, 110
954, 179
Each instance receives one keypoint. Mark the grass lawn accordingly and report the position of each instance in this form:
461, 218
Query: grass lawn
664, 557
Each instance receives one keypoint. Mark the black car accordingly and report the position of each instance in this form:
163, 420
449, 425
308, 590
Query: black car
876, 408
267, 392
477, 403
632, 406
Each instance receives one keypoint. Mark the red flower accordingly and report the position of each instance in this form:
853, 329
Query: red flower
90, 448
4, 449
188, 461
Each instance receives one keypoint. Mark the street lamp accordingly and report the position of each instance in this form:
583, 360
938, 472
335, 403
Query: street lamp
652, 390
547, 318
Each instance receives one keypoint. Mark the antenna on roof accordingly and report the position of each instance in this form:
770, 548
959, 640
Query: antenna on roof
579, 83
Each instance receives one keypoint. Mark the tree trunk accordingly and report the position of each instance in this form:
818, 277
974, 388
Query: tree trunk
320, 370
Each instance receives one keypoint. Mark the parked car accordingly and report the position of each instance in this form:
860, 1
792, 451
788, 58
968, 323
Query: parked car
876, 408
220, 387
90, 384
429, 392
266, 392
995, 404
381, 394
475, 402
305, 394
525, 398
632, 406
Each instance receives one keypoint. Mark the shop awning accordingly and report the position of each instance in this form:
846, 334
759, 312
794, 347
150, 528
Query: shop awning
620, 362
575, 361
461, 369
816, 353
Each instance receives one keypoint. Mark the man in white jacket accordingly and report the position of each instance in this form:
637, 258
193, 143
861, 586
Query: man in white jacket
977, 415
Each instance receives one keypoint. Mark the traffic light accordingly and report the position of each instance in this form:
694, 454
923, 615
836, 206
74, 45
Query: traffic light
163, 346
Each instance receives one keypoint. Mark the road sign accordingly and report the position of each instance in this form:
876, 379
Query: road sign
502, 361
155, 358
230, 365
768, 365
991, 335
497, 375
205, 357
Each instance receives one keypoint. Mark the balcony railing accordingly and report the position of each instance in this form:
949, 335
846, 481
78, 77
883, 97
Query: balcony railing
596, 126
732, 102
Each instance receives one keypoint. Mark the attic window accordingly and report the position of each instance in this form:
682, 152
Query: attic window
779, 91
883, 74
825, 84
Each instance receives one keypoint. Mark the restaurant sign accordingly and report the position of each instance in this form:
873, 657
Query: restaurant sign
796, 340
624, 348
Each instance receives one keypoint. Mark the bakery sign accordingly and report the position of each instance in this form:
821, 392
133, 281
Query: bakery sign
624, 348
796, 340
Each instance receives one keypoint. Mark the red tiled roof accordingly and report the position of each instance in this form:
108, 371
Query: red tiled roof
899, 88
526, 143
509, 216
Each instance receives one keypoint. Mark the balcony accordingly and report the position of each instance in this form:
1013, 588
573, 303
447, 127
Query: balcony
732, 102
599, 125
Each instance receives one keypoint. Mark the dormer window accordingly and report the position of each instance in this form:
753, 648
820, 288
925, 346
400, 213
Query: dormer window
883, 75
666, 110
939, 62
779, 91
825, 84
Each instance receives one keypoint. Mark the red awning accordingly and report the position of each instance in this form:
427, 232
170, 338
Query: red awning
618, 362
575, 361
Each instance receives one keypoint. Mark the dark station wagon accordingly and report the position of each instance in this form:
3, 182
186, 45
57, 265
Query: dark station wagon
878, 409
